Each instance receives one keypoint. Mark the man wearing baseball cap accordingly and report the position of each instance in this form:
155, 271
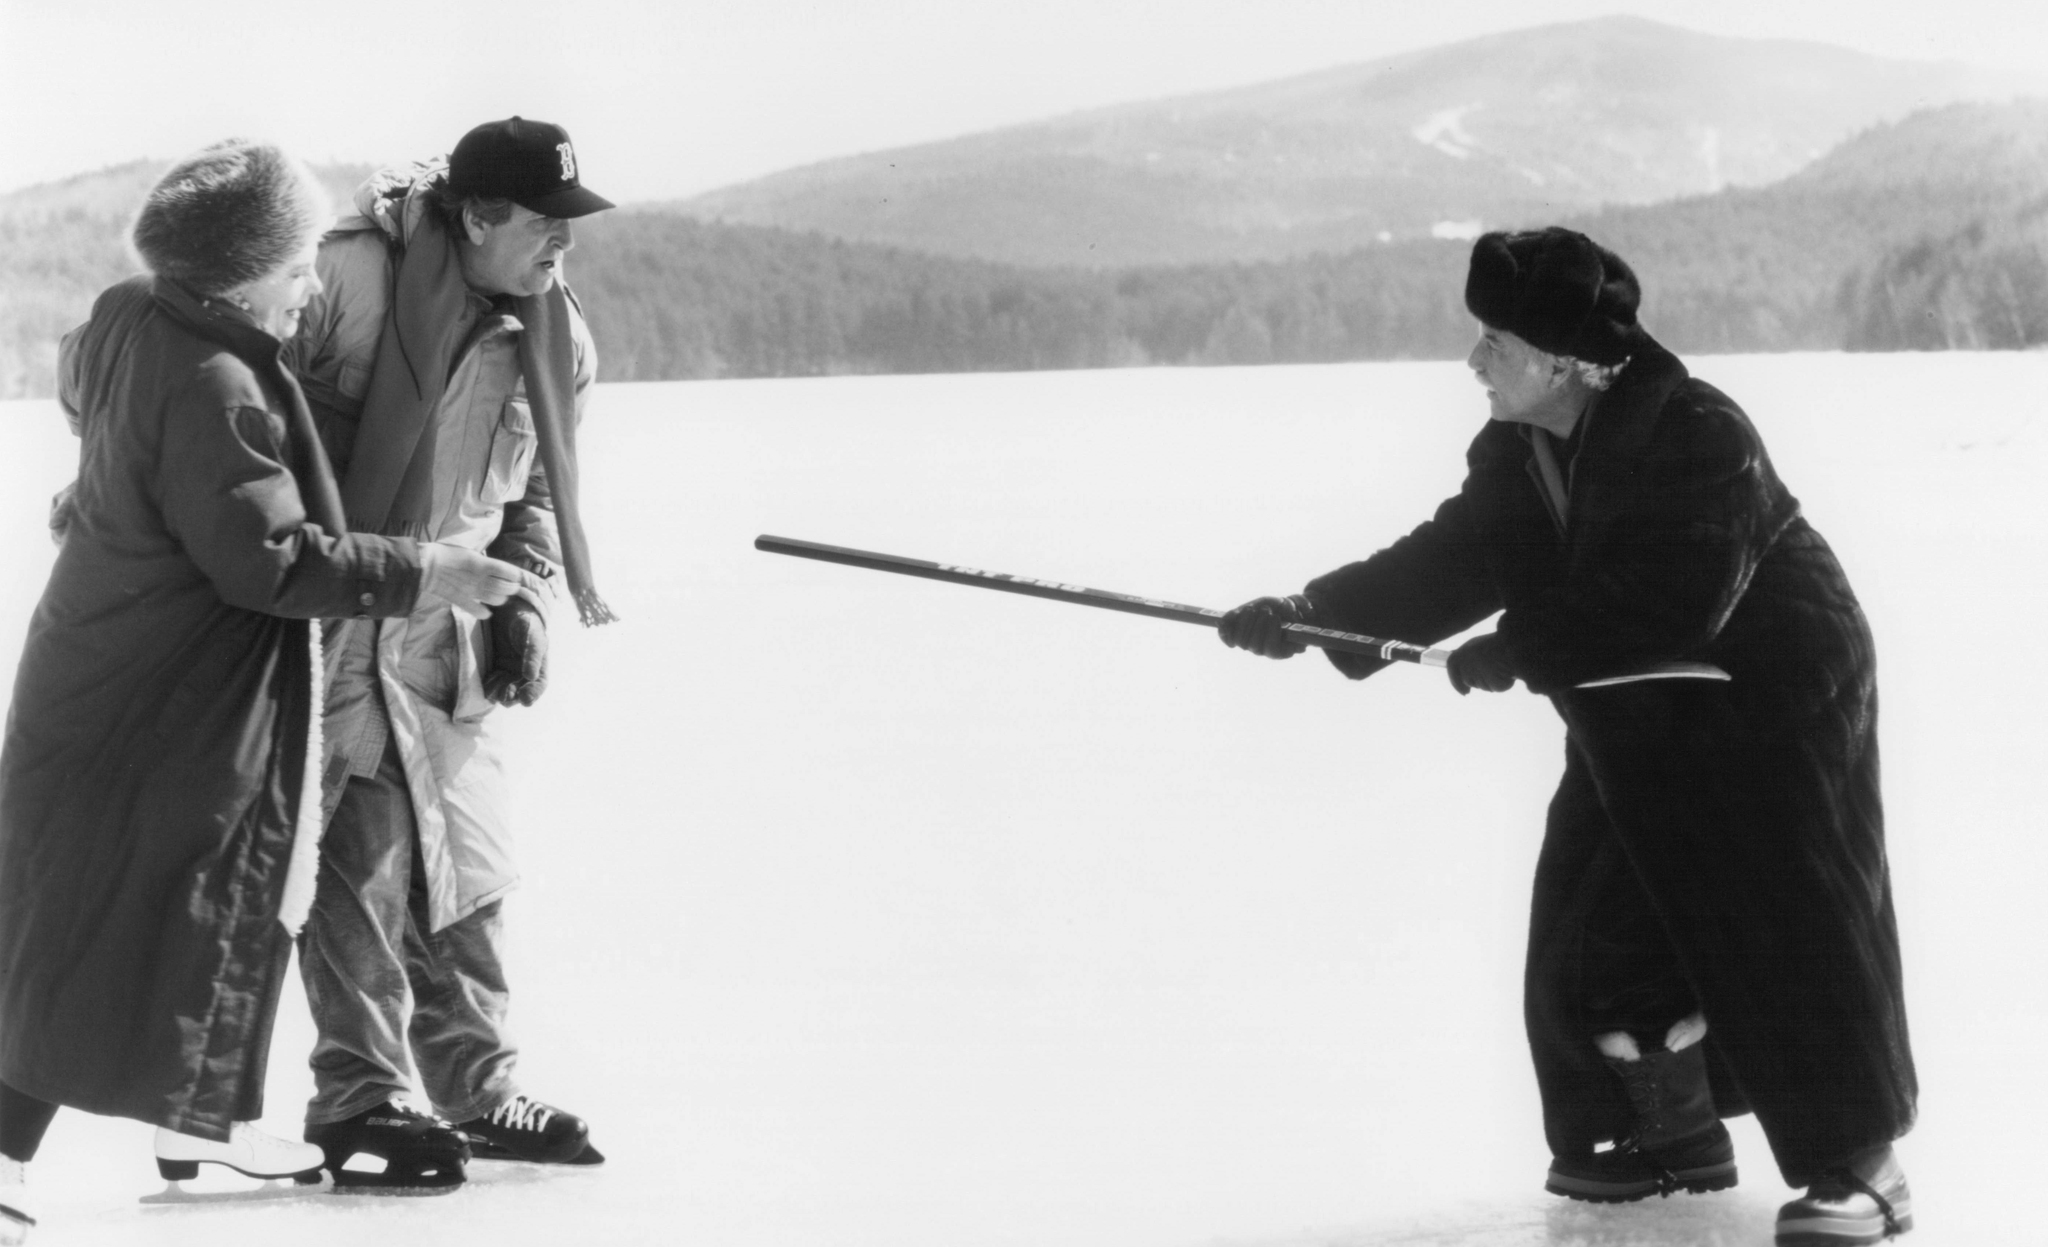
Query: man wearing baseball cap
447, 366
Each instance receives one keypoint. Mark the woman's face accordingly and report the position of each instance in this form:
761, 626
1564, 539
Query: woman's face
273, 302
1520, 380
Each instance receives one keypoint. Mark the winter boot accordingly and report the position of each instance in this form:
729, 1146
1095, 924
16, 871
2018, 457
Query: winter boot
1865, 1201
1678, 1144
523, 1128
248, 1151
16, 1214
422, 1155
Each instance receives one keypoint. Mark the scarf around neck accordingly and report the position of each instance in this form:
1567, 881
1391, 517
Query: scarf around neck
389, 485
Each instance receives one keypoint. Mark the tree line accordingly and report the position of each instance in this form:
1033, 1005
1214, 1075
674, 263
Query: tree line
1930, 234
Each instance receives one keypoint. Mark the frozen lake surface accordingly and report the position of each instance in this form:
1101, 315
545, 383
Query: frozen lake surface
864, 911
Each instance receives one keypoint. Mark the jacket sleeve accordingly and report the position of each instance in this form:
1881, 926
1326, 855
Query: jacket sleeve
234, 508
1662, 555
1430, 584
529, 537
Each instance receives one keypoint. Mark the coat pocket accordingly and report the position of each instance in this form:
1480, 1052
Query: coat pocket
513, 444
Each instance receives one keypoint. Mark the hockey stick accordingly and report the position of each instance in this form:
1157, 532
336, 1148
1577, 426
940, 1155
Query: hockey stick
1323, 638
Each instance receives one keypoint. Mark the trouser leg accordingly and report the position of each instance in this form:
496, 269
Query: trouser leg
24, 1120
352, 955
458, 1033
1630, 979
1599, 960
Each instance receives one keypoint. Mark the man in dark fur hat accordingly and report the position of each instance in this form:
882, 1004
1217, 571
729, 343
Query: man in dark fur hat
1712, 929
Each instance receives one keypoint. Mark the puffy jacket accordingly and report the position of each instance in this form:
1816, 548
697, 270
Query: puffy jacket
420, 678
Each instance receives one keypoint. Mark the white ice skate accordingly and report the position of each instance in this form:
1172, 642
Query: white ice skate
16, 1215
248, 1151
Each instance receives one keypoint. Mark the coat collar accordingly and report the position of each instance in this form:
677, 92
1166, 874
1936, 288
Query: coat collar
216, 321
1613, 437
1623, 422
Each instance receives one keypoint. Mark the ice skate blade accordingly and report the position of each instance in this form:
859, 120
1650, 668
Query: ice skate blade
176, 1194
348, 1182
482, 1149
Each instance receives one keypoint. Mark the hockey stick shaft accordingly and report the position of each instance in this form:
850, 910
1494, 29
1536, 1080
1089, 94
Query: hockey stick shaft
1080, 595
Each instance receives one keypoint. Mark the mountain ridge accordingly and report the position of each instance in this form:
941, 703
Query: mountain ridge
1503, 128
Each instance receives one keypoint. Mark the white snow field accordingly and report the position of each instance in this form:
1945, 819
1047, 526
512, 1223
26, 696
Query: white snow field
864, 911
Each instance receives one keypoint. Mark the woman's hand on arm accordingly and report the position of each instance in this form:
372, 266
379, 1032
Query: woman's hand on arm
468, 581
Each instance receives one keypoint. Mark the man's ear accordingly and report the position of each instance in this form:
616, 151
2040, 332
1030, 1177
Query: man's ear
472, 227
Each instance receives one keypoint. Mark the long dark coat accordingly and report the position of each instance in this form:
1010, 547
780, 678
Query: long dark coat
156, 744
1747, 812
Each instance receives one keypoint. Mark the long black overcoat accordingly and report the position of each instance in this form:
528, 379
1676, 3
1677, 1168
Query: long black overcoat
157, 740
1748, 811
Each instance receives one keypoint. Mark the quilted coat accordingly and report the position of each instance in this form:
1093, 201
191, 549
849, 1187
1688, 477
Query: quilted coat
1748, 811
156, 746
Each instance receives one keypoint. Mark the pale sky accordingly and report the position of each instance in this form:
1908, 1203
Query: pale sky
670, 97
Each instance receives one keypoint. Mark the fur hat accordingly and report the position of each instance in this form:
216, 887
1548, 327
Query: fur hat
1557, 290
229, 214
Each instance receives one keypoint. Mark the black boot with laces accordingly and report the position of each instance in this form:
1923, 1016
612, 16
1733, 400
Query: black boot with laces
1678, 1143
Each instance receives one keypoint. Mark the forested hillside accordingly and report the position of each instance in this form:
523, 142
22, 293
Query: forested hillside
1928, 233
1793, 266
1982, 286
62, 243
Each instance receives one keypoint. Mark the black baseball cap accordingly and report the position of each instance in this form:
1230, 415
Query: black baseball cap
530, 163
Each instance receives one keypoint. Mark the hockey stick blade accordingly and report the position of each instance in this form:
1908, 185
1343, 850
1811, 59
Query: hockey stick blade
1663, 671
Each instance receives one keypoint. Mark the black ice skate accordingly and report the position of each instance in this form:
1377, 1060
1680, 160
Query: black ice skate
1679, 1144
421, 1155
523, 1128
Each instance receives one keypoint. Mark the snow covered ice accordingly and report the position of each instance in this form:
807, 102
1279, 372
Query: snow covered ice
863, 911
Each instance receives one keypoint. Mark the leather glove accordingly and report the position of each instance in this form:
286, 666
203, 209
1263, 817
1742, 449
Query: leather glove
1260, 625
519, 653
1482, 663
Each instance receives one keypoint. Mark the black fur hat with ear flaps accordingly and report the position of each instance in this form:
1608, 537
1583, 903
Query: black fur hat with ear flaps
1557, 290
228, 215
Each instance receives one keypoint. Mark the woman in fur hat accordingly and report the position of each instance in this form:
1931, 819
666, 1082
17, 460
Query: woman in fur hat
159, 821
1712, 929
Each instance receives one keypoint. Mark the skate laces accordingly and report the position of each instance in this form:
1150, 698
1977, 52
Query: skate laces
522, 1112
14, 1203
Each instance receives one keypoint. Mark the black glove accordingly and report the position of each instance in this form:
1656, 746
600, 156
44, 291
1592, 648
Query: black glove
1482, 663
519, 654
1260, 626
